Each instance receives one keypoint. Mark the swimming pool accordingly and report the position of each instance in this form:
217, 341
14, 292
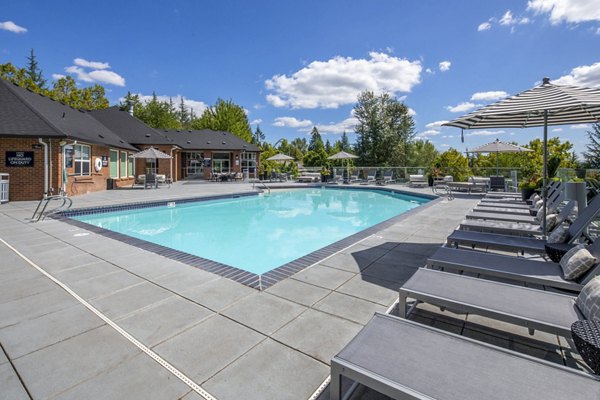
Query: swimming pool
258, 233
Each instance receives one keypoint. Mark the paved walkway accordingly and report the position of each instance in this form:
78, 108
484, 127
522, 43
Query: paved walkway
232, 341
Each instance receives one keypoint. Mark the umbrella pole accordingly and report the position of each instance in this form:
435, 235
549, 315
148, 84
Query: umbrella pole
545, 171
497, 153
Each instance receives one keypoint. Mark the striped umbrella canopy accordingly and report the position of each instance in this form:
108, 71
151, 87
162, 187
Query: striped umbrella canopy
542, 105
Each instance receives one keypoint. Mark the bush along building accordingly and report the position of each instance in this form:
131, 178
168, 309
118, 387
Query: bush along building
47, 146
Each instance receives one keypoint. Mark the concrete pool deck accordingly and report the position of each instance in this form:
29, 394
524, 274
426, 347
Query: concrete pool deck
232, 341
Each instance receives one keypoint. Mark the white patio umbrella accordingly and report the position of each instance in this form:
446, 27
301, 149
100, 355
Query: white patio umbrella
151, 153
280, 157
499, 147
543, 105
342, 155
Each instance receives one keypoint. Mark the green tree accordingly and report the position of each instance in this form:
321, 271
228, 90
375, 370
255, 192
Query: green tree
225, 116
19, 76
328, 147
315, 158
34, 72
422, 153
316, 142
384, 130
344, 143
183, 115
452, 162
301, 144
592, 155
155, 113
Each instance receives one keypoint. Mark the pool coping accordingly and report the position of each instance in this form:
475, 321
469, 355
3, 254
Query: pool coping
255, 281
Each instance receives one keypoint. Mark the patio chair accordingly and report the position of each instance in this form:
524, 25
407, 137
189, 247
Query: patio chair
511, 228
370, 178
532, 308
354, 177
552, 203
517, 215
388, 177
498, 183
407, 360
417, 181
520, 269
150, 181
523, 244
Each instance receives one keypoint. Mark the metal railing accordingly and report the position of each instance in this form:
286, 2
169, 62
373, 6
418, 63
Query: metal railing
43, 204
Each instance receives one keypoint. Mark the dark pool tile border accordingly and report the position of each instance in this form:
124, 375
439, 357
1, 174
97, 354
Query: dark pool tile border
259, 282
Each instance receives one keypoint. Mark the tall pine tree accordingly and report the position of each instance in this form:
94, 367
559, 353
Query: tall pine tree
258, 137
316, 142
34, 72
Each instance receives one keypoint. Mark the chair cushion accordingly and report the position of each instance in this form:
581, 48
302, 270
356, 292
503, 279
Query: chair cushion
535, 197
538, 204
559, 235
576, 262
588, 300
551, 221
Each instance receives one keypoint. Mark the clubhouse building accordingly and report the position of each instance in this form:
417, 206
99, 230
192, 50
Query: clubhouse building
46, 146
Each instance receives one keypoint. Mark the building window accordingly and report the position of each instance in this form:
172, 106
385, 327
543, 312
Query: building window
82, 159
114, 164
123, 164
249, 162
130, 165
220, 163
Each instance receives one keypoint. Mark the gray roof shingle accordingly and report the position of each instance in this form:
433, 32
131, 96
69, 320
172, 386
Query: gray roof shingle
129, 128
25, 113
208, 140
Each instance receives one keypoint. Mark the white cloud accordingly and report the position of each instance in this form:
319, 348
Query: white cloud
429, 71
484, 26
256, 121
338, 81
258, 106
291, 122
570, 11
91, 64
96, 76
462, 107
585, 75
508, 19
436, 124
484, 133
197, 106
447, 136
445, 66
57, 76
12, 27
489, 96
346, 125
428, 133
444, 145
580, 126
557, 130
597, 31
411, 112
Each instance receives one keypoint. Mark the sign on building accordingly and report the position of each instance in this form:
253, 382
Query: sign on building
19, 158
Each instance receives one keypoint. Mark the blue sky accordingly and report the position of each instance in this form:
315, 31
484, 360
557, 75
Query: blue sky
293, 65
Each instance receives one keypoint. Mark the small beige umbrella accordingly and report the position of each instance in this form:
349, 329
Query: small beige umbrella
342, 155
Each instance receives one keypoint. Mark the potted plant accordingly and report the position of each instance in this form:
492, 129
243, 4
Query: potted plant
325, 174
575, 190
435, 172
528, 187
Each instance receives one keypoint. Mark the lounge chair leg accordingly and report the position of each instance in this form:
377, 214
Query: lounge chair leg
335, 387
402, 304
531, 331
442, 309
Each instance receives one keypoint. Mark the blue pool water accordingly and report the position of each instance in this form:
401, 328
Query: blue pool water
259, 233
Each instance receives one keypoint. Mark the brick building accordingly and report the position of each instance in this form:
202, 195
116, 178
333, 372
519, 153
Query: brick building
46, 146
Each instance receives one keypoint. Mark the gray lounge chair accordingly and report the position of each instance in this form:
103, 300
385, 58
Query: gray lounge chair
406, 360
516, 197
532, 308
417, 181
515, 228
553, 202
520, 269
523, 244
388, 177
370, 178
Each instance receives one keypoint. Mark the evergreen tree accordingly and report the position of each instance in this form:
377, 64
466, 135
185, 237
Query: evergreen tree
344, 142
258, 137
592, 155
384, 130
316, 142
183, 115
328, 147
34, 72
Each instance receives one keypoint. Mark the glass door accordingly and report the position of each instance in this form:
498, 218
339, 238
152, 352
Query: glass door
194, 164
